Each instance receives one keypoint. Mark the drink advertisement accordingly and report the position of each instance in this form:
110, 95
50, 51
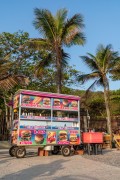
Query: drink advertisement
35, 101
51, 137
65, 104
32, 137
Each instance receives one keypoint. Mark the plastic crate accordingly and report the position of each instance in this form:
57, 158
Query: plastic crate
92, 137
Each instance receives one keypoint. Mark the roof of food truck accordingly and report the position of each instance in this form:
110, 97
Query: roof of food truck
46, 94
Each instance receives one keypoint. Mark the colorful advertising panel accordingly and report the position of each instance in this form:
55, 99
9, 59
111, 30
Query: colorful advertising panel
35, 101
15, 124
65, 104
51, 137
74, 137
32, 137
43, 137
62, 137
14, 137
16, 101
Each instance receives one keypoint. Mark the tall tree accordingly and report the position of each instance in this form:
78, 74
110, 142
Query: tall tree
102, 65
12, 58
57, 32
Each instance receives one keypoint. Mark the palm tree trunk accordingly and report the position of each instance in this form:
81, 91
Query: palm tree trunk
59, 89
107, 111
59, 71
106, 97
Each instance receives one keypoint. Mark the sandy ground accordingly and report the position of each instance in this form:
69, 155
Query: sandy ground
57, 167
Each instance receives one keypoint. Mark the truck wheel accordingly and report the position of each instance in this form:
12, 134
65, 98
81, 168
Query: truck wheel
12, 151
20, 152
66, 151
56, 150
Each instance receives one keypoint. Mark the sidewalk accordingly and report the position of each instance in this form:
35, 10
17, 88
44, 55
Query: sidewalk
4, 145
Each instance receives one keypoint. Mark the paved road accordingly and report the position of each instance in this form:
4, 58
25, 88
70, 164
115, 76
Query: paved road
55, 168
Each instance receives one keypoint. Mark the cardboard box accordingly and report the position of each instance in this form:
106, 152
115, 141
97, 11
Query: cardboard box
41, 152
79, 152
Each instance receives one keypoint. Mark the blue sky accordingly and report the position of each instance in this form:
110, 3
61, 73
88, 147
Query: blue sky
101, 18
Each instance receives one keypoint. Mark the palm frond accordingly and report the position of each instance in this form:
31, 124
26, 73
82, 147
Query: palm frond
75, 38
90, 62
65, 57
100, 82
86, 77
73, 27
59, 20
115, 72
44, 22
106, 57
10, 81
43, 63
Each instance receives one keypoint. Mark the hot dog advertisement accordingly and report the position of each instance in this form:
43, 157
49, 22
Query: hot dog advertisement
35, 101
51, 137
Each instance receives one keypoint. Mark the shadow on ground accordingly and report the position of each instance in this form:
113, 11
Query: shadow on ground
38, 171
46, 171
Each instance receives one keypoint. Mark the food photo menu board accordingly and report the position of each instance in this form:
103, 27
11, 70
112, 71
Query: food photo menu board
68, 137
32, 137
58, 103
65, 104
43, 137
40, 133
35, 101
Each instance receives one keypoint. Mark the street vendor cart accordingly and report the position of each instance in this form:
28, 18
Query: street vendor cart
47, 120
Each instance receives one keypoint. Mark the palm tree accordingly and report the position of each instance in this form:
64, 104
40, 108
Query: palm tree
57, 32
102, 65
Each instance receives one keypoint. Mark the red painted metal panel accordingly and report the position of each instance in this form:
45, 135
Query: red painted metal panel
92, 137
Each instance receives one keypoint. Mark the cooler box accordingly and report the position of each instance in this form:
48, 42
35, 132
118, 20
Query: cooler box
92, 137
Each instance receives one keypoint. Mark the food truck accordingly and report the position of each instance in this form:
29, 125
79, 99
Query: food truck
47, 120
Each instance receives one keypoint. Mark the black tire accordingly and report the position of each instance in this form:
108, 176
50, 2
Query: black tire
56, 150
66, 151
12, 151
20, 152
